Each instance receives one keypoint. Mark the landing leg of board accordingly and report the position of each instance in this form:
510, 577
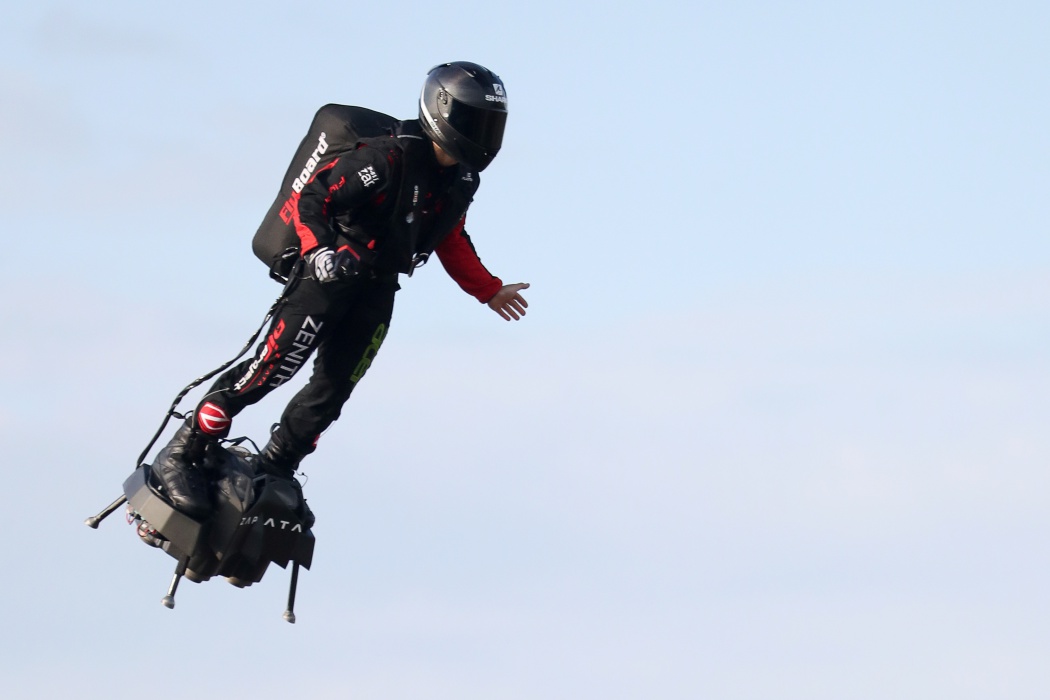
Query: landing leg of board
169, 600
94, 520
289, 615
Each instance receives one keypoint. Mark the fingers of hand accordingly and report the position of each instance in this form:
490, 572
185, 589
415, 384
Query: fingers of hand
508, 303
511, 309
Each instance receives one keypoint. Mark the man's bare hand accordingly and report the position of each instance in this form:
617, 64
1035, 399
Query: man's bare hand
508, 303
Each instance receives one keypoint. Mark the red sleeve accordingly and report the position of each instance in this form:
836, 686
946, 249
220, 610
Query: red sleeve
461, 262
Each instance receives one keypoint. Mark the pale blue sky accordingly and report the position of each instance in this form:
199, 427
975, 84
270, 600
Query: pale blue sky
774, 427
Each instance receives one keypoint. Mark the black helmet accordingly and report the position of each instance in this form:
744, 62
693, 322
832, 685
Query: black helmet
463, 109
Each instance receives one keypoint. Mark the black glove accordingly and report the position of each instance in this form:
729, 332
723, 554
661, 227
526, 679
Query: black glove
347, 262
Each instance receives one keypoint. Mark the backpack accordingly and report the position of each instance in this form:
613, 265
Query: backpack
335, 130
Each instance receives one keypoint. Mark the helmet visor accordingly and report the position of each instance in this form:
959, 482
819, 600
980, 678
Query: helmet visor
483, 127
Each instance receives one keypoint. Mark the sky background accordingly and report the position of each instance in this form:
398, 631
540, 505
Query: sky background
775, 426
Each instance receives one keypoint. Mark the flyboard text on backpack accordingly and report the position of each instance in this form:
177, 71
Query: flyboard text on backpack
311, 164
288, 208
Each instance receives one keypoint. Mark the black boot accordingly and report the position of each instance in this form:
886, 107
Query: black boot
276, 459
280, 460
177, 471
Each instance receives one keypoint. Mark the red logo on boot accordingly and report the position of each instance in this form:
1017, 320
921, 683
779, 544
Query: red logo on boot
213, 419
